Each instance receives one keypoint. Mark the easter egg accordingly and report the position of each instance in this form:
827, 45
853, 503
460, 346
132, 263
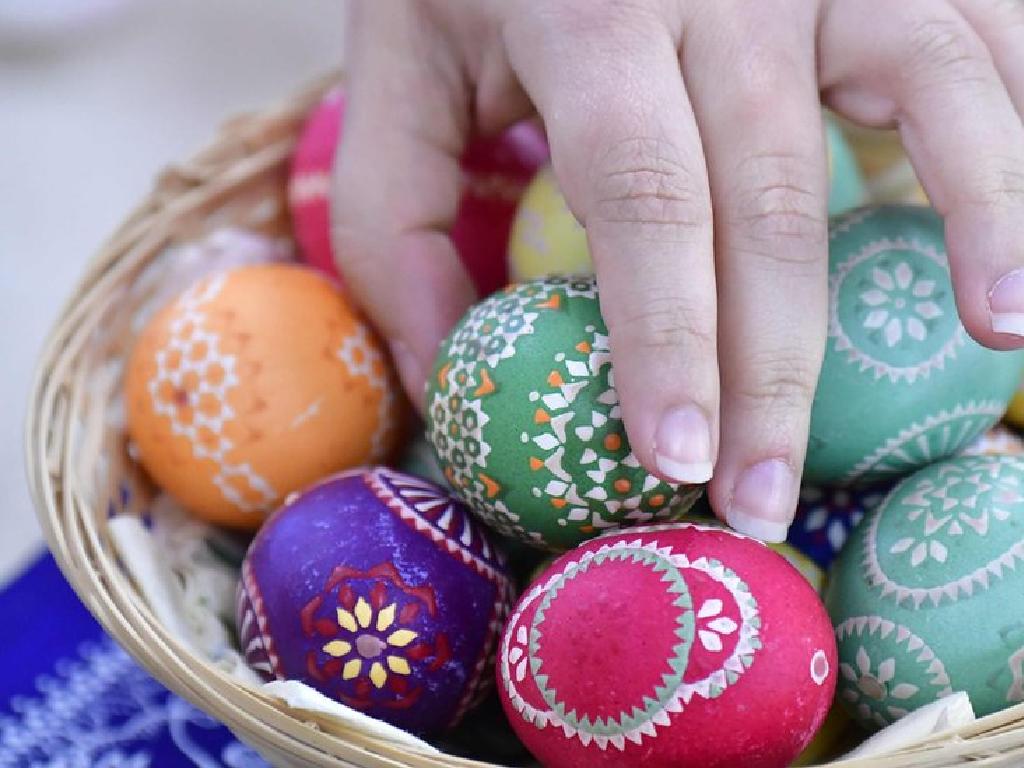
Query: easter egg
998, 441
496, 171
902, 384
928, 597
828, 741
381, 591
525, 420
547, 239
826, 516
804, 565
888, 175
1015, 410
668, 646
309, 181
254, 383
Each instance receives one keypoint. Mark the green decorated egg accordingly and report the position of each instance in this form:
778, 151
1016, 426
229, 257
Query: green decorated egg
902, 384
526, 424
928, 596
546, 238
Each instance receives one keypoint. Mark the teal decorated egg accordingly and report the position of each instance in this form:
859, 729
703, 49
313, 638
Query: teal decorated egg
525, 420
902, 384
928, 596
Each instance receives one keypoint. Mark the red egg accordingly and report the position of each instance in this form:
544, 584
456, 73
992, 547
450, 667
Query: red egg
677, 645
496, 171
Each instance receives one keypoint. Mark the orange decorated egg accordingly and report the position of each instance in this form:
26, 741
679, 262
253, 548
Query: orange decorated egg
254, 383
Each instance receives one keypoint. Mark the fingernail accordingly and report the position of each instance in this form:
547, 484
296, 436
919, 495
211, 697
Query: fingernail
682, 446
762, 501
1006, 304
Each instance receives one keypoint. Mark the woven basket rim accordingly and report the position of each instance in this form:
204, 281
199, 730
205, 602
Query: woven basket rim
246, 148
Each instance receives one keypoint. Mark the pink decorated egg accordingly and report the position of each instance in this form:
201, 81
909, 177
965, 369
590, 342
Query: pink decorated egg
496, 171
677, 645
309, 185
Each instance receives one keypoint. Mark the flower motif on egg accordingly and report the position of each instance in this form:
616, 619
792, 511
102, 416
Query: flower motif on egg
873, 682
900, 304
1010, 678
364, 627
886, 670
959, 495
886, 303
713, 625
370, 644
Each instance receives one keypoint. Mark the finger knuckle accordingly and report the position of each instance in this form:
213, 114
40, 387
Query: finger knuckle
997, 182
646, 184
780, 381
601, 19
664, 325
776, 199
944, 48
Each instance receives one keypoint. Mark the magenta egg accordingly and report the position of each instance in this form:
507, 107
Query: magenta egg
495, 171
379, 590
668, 647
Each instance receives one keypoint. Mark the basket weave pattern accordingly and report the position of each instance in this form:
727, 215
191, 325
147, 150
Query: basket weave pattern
78, 464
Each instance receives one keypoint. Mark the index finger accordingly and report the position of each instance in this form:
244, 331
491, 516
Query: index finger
397, 188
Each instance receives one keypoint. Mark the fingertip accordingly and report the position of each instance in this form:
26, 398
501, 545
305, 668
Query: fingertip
762, 501
682, 446
1006, 308
988, 278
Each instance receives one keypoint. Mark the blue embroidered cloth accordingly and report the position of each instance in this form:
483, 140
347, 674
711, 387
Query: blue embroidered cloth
71, 698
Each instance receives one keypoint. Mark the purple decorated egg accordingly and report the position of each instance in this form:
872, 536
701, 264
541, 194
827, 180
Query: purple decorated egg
380, 590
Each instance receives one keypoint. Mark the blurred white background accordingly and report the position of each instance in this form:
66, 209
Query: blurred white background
89, 112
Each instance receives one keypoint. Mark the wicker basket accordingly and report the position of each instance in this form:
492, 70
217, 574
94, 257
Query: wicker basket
78, 463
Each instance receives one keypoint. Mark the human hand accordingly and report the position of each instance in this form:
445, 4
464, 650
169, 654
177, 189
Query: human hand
687, 138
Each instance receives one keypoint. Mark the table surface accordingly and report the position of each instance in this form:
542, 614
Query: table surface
87, 118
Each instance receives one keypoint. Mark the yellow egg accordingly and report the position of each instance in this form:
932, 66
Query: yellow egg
889, 176
807, 567
546, 239
828, 741
1015, 410
254, 383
